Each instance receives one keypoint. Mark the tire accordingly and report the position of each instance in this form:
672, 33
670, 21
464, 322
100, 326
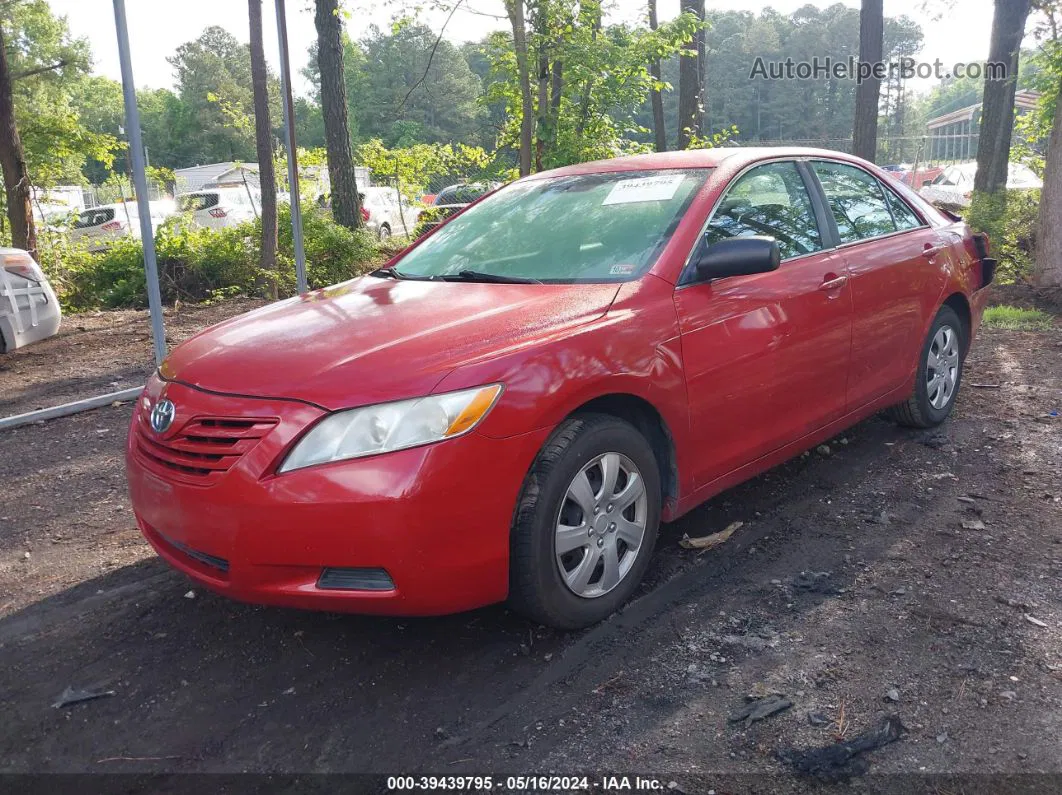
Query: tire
586, 446
920, 410
385, 232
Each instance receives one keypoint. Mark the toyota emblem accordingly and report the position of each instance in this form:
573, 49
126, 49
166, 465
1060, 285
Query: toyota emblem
162, 415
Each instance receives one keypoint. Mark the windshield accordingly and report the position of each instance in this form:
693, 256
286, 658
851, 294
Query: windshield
585, 228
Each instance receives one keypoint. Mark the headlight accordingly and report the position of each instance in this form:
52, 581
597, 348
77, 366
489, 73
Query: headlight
386, 427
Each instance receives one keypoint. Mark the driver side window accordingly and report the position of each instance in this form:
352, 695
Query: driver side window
768, 200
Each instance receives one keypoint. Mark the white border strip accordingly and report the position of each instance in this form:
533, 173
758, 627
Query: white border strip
66, 409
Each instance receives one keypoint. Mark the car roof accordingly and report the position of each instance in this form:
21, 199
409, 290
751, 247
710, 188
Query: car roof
697, 158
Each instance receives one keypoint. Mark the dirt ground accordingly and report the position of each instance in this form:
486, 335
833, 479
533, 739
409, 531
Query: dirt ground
890, 573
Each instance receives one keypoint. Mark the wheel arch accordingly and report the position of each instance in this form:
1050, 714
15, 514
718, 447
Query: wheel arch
960, 304
644, 416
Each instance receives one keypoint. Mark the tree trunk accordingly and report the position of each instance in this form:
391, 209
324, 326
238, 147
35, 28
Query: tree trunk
264, 143
542, 121
13, 162
865, 129
700, 43
659, 126
690, 80
997, 106
556, 90
1048, 269
589, 14
515, 9
346, 206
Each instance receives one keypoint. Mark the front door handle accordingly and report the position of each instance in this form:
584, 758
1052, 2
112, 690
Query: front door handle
833, 283
931, 251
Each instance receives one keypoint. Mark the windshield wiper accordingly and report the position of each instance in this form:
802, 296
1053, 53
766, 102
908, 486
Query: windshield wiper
479, 276
387, 273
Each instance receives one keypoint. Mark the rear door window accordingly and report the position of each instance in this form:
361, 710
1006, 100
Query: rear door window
856, 201
193, 202
904, 216
91, 218
769, 200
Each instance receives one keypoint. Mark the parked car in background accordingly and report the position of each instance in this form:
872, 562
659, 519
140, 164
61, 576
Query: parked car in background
386, 212
98, 227
513, 404
953, 187
217, 208
452, 200
29, 310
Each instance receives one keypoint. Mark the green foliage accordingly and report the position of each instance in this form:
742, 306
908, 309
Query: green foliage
1009, 218
604, 81
1014, 318
49, 69
1032, 130
198, 264
817, 111
421, 167
416, 90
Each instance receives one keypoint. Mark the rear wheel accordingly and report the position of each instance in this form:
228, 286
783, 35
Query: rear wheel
586, 523
385, 232
939, 374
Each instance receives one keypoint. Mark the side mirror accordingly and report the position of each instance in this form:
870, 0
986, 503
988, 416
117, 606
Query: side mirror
738, 256
926, 183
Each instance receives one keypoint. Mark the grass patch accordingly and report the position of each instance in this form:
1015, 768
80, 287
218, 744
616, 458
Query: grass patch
1017, 319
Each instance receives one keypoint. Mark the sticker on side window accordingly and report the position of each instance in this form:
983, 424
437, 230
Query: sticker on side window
621, 270
660, 188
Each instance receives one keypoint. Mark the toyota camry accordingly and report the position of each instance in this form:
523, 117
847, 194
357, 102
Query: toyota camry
510, 407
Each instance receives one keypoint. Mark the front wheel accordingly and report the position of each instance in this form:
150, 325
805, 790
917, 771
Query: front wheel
586, 523
939, 374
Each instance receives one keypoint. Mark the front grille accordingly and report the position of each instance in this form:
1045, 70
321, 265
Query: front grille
204, 449
343, 579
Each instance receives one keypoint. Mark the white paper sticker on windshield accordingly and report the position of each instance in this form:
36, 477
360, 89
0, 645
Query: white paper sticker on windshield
644, 189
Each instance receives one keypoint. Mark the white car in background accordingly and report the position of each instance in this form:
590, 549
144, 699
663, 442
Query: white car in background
953, 187
217, 208
386, 212
29, 310
100, 226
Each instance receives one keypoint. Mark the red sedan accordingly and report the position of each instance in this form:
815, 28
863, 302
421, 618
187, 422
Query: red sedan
510, 408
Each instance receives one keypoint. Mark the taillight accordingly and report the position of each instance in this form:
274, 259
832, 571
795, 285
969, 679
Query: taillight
217, 212
365, 214
22, 264
111, 226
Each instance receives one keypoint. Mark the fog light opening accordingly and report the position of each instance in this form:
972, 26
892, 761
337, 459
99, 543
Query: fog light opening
345, 579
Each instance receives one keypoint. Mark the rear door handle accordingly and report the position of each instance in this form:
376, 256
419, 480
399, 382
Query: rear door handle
835, 283
931, 251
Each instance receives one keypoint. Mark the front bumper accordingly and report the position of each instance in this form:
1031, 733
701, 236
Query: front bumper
435, 518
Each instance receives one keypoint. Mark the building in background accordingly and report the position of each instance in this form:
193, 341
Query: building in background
953, 136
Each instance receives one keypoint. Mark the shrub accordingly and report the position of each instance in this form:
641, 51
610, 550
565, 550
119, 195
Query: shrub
198, 264
1009, 218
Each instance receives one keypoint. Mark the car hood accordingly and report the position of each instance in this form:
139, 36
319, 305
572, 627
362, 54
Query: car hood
375, 339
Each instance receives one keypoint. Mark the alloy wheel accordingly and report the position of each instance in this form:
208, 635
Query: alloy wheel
600, 525
942, 367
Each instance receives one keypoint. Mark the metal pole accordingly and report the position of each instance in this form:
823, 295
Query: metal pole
289, 144
136, 150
